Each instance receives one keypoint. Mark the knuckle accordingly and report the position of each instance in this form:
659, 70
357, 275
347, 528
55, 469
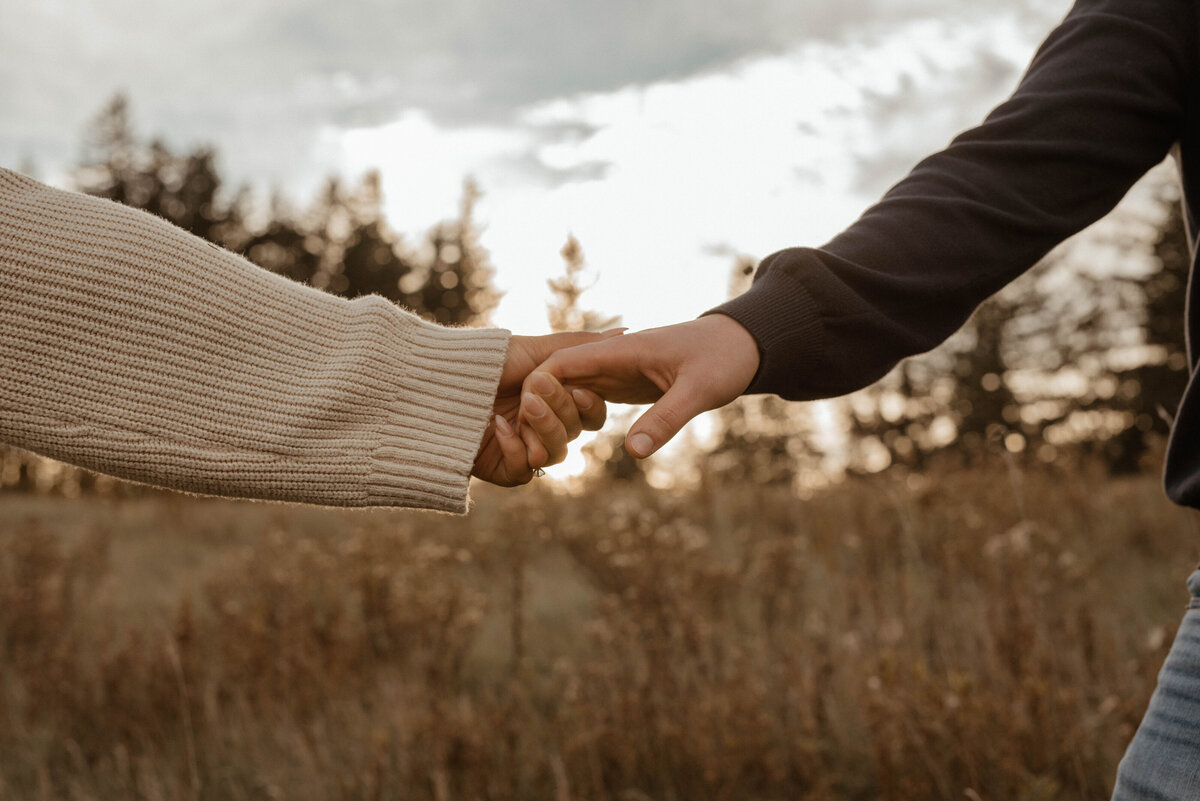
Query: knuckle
552, 365
667, 419
595, 420
538, 457
550, 428
562, 402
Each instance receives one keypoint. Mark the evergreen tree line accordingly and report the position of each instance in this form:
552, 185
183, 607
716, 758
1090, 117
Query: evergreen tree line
340, 243
1067, 361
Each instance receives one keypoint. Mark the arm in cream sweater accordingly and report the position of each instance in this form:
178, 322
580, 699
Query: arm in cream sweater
130, 347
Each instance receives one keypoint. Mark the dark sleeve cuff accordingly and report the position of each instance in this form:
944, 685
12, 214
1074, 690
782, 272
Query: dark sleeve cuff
783, 318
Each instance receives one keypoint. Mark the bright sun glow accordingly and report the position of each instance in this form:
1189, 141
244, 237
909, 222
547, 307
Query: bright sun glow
663, 184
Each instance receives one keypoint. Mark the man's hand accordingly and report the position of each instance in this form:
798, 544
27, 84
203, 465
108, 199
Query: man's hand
512, 449
682, 369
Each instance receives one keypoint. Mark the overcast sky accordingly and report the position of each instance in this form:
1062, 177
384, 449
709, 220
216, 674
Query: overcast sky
211, 70
666, 135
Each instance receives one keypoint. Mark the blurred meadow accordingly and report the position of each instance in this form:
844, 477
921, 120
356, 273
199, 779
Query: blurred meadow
990, 633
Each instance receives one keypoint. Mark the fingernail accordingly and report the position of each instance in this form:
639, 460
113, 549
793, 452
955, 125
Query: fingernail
534, 406
612, 332
542, 383
583, 401
640, 445
502, 426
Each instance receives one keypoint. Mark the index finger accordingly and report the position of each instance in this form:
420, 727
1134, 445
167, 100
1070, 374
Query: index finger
581, 363
615, 369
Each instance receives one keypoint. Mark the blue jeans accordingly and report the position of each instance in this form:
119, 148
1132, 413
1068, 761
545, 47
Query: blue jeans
1162, 762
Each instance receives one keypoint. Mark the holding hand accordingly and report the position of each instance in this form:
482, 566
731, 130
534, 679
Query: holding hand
683, 369
513, 448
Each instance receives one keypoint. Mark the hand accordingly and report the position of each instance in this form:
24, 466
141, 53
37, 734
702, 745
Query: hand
512, 449
683, 369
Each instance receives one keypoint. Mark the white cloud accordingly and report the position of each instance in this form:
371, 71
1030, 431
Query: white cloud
661, 182
261, 78
422, 165
782, 145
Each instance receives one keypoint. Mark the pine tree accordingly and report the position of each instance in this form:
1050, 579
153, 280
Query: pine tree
563, 310
456, 283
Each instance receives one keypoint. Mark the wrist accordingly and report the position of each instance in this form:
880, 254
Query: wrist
786, 324
739, 352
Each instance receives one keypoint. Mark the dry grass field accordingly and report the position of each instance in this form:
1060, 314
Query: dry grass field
982, 635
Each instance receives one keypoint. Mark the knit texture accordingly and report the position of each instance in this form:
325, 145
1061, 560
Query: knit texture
130, 347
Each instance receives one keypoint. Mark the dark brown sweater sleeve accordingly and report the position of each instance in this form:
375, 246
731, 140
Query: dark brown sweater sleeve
1102, 102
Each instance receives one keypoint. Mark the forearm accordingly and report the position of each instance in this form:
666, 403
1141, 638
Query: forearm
133, 348
1102, 103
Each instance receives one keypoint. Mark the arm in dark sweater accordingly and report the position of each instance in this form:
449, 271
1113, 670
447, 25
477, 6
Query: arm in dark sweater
1101, 103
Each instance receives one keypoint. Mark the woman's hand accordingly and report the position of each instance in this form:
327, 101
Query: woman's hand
514, 445
682, 369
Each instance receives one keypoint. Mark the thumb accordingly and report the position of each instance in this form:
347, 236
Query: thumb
663, 420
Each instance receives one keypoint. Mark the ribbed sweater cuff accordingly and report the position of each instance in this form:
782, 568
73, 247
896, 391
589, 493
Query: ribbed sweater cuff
427, 447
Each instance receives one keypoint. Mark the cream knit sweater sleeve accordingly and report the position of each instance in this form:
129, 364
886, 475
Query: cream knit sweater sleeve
131, 347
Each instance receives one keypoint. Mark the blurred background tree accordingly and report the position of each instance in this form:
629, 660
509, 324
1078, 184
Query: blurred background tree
341, 243
563, 310
1084, 355
454, 283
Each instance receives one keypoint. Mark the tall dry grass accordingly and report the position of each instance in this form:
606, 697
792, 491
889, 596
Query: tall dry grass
985, 634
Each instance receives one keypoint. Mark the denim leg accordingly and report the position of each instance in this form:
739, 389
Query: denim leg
1162, 762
